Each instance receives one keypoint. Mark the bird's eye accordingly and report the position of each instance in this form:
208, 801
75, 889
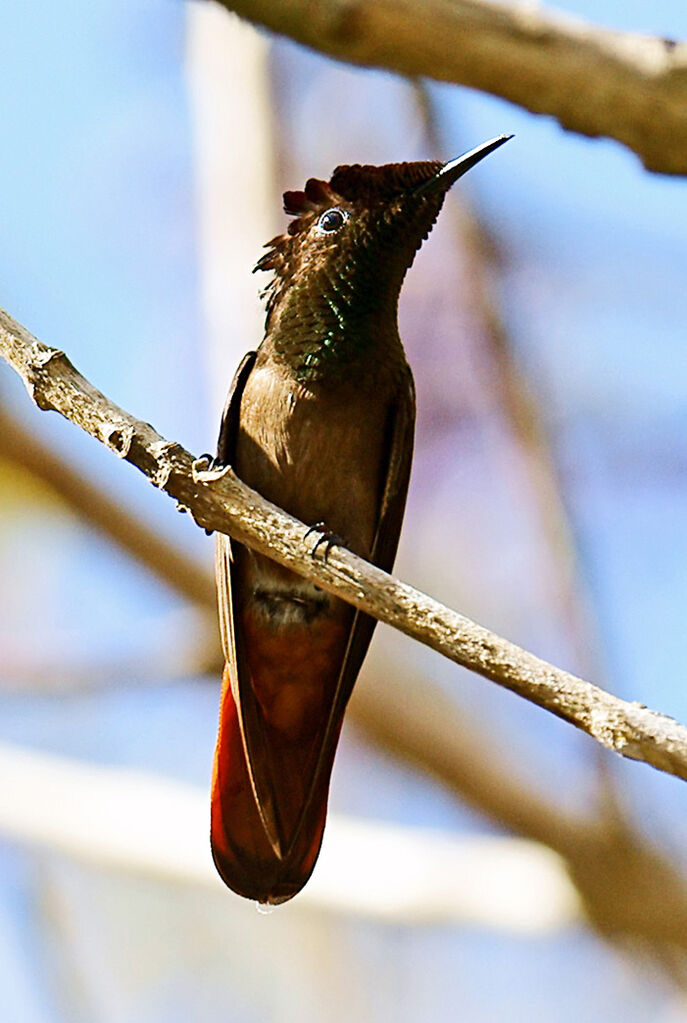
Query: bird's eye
332, 220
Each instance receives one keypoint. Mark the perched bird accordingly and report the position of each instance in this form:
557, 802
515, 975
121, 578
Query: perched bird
319, 421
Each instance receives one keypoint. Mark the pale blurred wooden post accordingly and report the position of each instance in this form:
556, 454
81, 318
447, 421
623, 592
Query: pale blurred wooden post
229, 94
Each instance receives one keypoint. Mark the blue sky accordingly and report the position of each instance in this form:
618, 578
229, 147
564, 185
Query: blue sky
99, 257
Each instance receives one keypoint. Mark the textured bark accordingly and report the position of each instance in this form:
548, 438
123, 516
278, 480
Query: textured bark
219, 501
593, 80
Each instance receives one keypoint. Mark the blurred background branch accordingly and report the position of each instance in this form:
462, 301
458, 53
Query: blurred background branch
515, 397
595, 81
100, 510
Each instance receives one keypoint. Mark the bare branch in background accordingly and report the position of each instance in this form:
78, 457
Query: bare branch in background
517, 401
593, 80
221, 502
114, 519
631, 891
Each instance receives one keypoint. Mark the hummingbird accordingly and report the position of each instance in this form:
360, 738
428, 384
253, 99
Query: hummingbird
320, 421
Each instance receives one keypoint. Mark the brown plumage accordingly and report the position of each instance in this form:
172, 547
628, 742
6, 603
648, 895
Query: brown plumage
320, 421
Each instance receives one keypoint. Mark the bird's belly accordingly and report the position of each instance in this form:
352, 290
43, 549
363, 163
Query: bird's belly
321, 459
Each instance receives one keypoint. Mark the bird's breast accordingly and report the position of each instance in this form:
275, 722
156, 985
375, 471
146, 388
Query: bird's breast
319, 454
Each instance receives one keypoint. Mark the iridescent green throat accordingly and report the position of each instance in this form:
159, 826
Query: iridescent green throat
333, 331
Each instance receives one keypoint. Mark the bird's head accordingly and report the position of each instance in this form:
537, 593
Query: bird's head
344, 256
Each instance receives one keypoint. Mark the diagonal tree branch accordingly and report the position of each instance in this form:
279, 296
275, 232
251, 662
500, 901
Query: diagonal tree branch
593, 80
221, 502
631, 892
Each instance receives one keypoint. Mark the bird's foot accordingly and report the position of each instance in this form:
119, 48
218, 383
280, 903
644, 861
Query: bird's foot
326, 538
207, 468
208, 463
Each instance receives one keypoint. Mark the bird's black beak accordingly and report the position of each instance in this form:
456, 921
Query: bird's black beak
455, 169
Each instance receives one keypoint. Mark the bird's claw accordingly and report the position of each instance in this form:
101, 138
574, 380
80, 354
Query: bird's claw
208, 463
207, 469
326, 537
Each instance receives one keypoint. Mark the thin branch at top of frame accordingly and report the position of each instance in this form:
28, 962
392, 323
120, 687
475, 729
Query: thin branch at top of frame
593, 80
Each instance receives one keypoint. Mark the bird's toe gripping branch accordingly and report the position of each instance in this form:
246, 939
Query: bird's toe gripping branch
326, 538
